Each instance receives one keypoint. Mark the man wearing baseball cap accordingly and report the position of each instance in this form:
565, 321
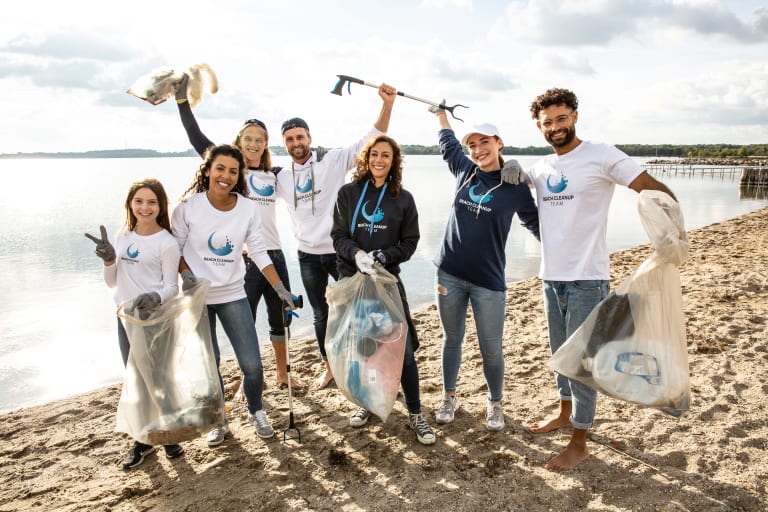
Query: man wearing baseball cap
309, 188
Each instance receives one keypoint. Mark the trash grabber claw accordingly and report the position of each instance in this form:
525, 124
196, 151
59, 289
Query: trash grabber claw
299, 303
349, 80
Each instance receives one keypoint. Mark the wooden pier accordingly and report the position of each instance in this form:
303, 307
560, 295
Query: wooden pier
753, 179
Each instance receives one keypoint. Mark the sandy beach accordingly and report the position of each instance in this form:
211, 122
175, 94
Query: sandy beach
65, 456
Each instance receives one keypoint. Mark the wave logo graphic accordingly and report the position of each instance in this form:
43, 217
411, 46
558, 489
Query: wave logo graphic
559, 185
225, 249
478, 198
132, 253
372, 217
306, 187
265, 191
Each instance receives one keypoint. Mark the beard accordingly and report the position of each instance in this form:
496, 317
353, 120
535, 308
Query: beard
300, 153
570, 134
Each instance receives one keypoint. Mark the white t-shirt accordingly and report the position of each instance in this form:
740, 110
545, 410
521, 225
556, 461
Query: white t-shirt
310, 190
210, 242
144, 264
262, 191
573, 193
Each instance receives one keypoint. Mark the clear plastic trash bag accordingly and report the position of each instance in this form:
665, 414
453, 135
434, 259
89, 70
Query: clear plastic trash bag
365, 339
632, 346
171, 391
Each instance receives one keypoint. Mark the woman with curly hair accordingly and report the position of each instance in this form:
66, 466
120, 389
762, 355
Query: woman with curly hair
375, 222
212, 222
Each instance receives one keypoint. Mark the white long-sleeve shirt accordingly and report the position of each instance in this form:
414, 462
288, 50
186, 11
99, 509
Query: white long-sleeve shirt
144, 264
310, 190
210, 240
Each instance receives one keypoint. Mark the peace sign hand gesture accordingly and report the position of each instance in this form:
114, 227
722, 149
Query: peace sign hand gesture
104, 249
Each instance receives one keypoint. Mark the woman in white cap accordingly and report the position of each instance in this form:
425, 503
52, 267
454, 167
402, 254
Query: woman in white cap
471, 259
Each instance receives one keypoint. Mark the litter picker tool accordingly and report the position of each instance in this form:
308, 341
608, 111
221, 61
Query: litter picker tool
349, 80
298, 302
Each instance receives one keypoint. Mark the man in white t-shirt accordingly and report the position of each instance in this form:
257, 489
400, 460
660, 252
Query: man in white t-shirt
309, 188
574, 188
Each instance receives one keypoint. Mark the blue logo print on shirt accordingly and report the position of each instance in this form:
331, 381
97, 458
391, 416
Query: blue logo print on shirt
265, 191
479, 198
132, 254
376, 216
559, 186
306, 187
220, 251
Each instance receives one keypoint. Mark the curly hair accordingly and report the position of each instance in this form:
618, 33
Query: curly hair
266, 156
395, 176
162, 201
201, 182
554, 96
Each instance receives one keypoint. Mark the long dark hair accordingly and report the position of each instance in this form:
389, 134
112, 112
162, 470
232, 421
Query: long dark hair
201, 182
395, 176
162, 200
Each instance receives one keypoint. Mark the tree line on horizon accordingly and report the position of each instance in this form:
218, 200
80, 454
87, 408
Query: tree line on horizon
639, 150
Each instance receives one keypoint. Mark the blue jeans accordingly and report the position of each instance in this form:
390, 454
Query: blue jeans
257, 286
567, 304
315, 269
453, 296
237, 320
410, 378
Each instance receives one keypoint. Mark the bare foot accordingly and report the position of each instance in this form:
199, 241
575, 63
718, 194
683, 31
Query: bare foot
572, 456
323, 380
549, 424
239, 395
282, 382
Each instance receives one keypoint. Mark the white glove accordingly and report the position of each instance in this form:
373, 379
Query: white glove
284, 294
364, 263
511, 173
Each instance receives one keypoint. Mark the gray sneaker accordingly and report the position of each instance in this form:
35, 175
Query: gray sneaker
494, 416
447, 409
260, 421
359, 417
217, 435
424, 432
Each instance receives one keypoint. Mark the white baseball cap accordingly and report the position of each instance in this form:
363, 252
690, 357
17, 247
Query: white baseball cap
481, 129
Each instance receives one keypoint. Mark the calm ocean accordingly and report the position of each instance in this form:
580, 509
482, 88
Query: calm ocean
57, 317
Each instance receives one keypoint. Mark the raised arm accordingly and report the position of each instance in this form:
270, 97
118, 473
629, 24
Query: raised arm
387, 93
196, 137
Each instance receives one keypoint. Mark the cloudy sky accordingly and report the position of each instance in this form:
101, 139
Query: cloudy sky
650, 72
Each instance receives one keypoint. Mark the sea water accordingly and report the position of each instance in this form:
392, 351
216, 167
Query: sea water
57, 317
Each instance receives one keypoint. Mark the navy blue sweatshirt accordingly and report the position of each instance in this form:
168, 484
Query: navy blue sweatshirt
474, 241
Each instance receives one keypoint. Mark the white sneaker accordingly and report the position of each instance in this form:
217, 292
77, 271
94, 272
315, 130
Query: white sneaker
261, 422
359, 417
424, 432
447, 409
217, 435
494, 416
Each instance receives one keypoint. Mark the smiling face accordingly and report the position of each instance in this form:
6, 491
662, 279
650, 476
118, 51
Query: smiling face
145, 207
558, 124
380, 159
485, 151
253, 140
223, 176
297, 141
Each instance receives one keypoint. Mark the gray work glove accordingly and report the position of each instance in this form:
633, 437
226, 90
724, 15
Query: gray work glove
511, 173
284, 294
104, 249
181, 90
144, 303
364, 263
436, 109
188, 280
